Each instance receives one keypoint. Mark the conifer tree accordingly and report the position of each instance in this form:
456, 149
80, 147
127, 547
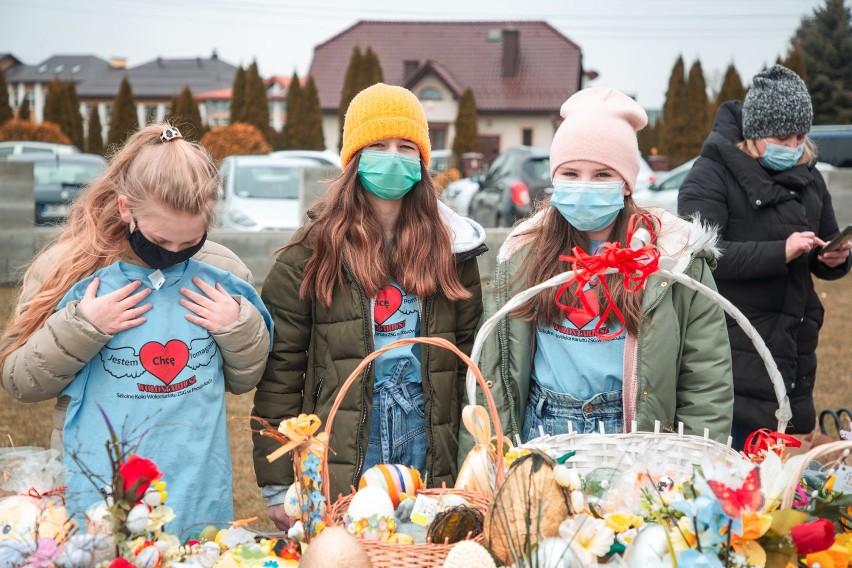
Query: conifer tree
95, 139
675, 120
732, 87
256, 110
238, 96
55, 103
5, 109
73, 126
697, 111
309, 108
290, 134
186, 116
124, 120
826, 43
649, 139
371, 71
349, 90
467, 133
795, 61
24, 111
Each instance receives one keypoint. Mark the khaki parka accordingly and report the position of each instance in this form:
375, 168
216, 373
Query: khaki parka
315, 349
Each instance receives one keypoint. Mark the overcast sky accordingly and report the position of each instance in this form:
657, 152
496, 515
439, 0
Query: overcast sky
632, 44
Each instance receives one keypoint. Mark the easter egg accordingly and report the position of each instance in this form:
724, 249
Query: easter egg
393, 479
292, 507
370, 514
208, 533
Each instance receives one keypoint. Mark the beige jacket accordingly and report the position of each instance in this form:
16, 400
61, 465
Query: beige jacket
42, 367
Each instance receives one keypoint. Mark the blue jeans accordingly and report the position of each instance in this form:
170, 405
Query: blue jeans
554, 410
397, 423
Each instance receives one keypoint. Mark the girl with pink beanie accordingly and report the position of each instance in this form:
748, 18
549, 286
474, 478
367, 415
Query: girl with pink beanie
669, 360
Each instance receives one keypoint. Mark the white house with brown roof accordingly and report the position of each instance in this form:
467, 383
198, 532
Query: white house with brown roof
520, 74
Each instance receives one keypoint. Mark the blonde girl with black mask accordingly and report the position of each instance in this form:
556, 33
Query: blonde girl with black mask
380, 259
133, 311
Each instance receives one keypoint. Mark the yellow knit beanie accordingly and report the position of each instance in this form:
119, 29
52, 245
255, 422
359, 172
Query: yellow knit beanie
384, 111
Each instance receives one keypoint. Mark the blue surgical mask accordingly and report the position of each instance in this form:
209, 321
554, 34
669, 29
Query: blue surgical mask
388, 175
780, 158
588, 205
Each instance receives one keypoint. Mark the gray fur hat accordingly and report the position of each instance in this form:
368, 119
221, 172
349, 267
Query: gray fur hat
777, 105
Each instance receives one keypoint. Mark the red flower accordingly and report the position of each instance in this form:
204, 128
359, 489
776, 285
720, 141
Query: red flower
815, 536
138, 473
121, 563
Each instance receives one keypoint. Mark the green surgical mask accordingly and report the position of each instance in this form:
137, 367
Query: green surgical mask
388, 175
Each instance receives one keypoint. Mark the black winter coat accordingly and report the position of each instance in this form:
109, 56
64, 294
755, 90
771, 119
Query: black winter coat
756, 210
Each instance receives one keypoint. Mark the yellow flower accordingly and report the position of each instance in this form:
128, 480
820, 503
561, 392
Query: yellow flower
590, 538
620, 522
755, 526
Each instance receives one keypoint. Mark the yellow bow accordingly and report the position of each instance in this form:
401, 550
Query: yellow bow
299, 430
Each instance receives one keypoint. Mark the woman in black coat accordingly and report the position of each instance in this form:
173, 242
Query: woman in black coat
755, 180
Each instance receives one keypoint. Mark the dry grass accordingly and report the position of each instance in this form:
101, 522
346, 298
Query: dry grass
29, 424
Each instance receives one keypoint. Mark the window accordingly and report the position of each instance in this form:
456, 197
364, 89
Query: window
430, 94
527, 137
438, 135
42, 68
76, 69
59, 69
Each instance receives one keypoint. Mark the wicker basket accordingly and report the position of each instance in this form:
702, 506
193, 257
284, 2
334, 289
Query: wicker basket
410, 555
678, 453
815, 454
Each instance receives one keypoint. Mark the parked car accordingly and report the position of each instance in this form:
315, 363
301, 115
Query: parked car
262, 192
646, 176
322, 157
58, 180
22, 147
834, 144
440, 160
458, 194
516, 179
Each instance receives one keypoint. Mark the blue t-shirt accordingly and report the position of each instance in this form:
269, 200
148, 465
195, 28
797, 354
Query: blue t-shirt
162, 386
570, 359
396, 315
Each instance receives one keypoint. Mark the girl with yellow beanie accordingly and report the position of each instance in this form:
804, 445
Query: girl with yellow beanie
380, 259
666, 359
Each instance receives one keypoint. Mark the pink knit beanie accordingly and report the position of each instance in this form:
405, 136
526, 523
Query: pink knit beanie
600, 126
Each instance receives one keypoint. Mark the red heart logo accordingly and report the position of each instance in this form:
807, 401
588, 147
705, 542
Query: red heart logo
164, 361
582, 318
387, 303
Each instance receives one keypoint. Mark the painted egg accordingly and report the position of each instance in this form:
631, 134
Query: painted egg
393, 479
291, 502
370, 501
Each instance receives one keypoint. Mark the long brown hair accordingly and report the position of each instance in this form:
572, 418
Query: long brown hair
420, 258
554, 236
178, 174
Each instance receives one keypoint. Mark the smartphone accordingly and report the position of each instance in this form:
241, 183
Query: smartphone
837, 242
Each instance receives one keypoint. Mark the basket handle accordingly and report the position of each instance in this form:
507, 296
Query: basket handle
438, 342
819, 451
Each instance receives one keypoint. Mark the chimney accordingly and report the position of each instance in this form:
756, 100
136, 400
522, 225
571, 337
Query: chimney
118, 62
409, 67
511, 53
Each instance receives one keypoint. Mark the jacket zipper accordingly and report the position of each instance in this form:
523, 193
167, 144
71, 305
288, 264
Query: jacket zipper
424, 332
317, 392
502, 333
367, 343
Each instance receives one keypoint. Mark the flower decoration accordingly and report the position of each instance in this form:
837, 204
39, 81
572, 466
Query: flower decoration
588, 537
814, 536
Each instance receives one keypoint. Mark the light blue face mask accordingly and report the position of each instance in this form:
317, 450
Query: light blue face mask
388, 175
780, 158
588, 205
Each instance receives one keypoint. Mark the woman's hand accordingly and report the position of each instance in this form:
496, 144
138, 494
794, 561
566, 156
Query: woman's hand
212, 311
800, 243
116, 311
835, 258
281, 520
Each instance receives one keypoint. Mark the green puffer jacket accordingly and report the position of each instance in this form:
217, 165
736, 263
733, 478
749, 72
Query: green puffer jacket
315, 349
678, 369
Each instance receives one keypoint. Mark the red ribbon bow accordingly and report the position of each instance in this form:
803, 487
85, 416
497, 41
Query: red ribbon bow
761, 441
635, 264
58, 492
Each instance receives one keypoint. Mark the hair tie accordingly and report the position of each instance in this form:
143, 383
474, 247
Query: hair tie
170, 134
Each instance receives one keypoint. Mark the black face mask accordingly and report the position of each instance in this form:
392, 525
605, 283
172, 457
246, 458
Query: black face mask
156, 256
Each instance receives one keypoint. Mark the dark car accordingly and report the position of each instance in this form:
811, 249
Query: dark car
834, 144
514, 182
58, 181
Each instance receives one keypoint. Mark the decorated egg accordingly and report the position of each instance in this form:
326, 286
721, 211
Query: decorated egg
469, 554
292, 507
393, 479
528, 506
334, 547
370, 514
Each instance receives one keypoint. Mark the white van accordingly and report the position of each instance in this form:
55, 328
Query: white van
22, 147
